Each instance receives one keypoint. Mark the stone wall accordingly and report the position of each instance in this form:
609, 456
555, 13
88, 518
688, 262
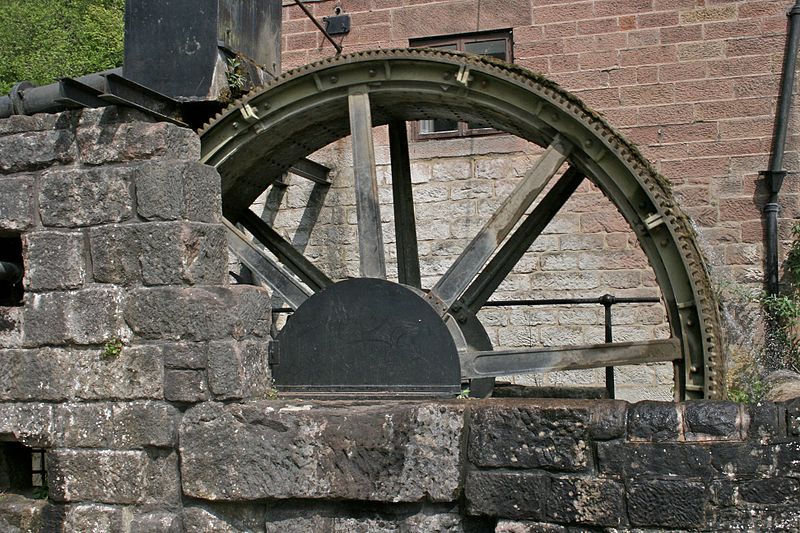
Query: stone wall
692, 83
142, 375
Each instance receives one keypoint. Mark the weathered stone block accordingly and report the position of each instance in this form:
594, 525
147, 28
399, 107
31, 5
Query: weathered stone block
38, 122
29, 423
608, 419
710, 420
97, 475
19, 514
156, 523
236, 519
17, 203
646, 459
44, 319
521, 435
29, 151
144, 423
198, 313
185, 386
507, 494
76, 197
102, 143
238, 369
11, 327
136, 373
186, 355
668, 503
598, 502
793, 416
771, 491
389, 452
82, 425
160, 253
93, 315
767, 421
54, 260
34, 375
162, 479
178, 190
653, 421
746, 460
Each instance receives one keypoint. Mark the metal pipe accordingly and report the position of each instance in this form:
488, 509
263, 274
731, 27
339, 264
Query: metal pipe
10, 272
775, 174
574, 301
319, 26
25, 99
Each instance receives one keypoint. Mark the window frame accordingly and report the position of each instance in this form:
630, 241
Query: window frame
460, 40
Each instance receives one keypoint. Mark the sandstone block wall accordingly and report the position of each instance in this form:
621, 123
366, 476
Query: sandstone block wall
692, 83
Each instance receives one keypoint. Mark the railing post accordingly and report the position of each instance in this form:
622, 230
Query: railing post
607, 300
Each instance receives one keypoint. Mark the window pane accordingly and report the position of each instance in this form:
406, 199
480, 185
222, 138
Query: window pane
437, 125
444, 46
495, 48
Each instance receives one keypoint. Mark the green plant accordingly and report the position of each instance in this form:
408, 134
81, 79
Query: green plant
237, 81
112, 348
40, 493
463, 395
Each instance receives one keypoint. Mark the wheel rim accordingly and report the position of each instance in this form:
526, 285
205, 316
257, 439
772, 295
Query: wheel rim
260, 137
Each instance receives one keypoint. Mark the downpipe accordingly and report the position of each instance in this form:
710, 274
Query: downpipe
774, 176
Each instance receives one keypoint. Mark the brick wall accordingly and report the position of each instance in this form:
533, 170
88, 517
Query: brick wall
692, 82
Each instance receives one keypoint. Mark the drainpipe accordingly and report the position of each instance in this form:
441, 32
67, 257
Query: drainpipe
775, 174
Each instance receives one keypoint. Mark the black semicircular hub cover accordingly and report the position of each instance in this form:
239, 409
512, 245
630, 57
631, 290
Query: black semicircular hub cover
369, 337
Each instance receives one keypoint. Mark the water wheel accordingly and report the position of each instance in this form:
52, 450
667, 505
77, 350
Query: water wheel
369, 335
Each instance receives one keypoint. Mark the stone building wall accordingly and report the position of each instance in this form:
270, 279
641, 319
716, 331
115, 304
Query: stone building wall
692, 83
142, 377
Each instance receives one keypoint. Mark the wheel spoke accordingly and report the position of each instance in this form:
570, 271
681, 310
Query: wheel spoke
505, 362
482, 288
275, 275
458, 277
404, 222
285, 252
370, 233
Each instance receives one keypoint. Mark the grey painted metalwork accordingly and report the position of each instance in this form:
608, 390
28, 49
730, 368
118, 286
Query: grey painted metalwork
309, 108
404, 222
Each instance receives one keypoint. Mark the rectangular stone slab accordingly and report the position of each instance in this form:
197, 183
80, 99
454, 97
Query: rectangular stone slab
399, 452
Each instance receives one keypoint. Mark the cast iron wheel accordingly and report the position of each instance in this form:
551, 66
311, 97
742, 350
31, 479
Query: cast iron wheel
259, 138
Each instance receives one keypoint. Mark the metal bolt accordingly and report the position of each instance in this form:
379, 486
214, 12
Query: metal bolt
372, 73
690, 322
587, 143
235, 125
334, 79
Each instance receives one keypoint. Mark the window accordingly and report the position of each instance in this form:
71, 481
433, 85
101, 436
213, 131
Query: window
496, 44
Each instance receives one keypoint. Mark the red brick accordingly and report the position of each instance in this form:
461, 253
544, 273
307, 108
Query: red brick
768, 85
559, 30
435, 19
564, 63
700, 90
647, 94
540, 48
595, 43
651, 55
295, 26
698, 131
746, 128
505, 14
641, 135
692, 196
585, 79
749, 107
681, 34
603, 221
701, 50
621, 116
562, 12
603, 25
739, 66
657, 20
707, 14
623, 76
738, 209
750, 46
731, 29
527, 33
666, 114
726, 147
763, 9
600, 98
773, 25
300, 41
675, 4
682, 71
628, 22
703, 216
605, 8
536, 64
695, 168
647, 74
659, 152
646, 37
597, 60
